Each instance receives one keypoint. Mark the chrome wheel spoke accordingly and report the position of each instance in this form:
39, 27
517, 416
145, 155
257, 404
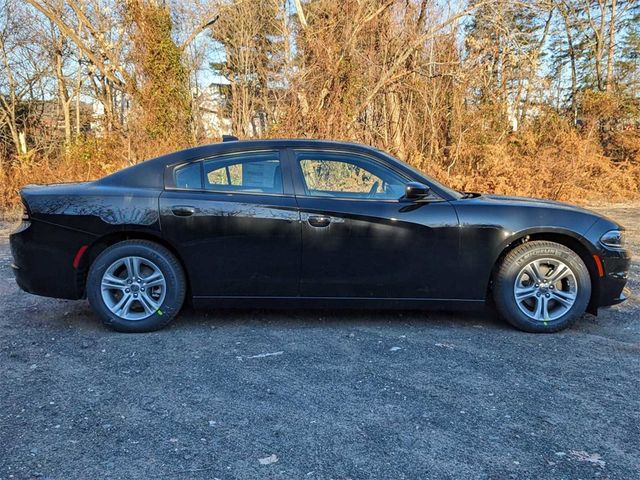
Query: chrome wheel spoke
533, 270
122, 307
153, 280
522, 293
133, 267
542, 309
112, 282
149, 304
564, 298
545, 308
560, 272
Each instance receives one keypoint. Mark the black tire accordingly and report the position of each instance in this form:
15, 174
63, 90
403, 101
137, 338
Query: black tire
168, 265
507, 275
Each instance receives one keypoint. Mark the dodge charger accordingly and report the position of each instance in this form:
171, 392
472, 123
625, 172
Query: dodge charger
283, 223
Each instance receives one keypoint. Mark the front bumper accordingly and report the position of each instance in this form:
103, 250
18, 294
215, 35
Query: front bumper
616, 266
626, 292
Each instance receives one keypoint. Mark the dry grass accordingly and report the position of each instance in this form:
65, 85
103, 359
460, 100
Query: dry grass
88, 160
387, 74
557, 164
549, 161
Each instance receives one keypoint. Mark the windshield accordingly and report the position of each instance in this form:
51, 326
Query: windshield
450, 191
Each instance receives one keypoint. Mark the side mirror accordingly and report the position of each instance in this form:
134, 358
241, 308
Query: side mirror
415, 191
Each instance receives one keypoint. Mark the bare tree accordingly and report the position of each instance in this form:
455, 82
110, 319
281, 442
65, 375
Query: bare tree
248, 32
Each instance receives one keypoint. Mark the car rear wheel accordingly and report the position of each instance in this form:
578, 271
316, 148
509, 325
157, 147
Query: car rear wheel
136, 286
542, 287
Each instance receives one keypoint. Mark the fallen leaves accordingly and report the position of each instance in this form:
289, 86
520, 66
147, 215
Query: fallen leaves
268, 460
260, 355
593, 458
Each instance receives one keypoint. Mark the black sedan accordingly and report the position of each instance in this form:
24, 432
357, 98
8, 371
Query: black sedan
314, 224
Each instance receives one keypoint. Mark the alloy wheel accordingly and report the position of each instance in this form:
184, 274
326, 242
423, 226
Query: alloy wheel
545, 289
133, 288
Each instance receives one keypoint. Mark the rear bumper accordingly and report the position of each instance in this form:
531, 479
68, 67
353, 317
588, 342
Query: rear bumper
43, 260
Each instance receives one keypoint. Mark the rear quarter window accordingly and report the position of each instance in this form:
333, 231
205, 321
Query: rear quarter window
249, 172
189, 176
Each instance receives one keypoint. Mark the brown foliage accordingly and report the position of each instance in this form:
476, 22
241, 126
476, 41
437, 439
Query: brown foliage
549, 160
479, 114
87, 160
162, 117
365, 76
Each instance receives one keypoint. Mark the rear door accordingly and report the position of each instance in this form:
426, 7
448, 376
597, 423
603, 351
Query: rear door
360, 239
235, 222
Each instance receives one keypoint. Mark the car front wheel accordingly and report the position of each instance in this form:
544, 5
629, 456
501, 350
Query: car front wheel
542, 287
136, 286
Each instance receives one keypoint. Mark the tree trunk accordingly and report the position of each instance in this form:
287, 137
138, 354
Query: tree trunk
611, 47
63, 93
78, 117
395, 124
300, 12
572, 59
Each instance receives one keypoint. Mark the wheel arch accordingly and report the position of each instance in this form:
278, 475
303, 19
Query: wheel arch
105, 241
564, 237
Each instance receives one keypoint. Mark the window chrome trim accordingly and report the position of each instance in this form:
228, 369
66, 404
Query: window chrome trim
385, 200
221, 192
172, 172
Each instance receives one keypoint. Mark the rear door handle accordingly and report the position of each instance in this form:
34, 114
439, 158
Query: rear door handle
183, 210
319, 220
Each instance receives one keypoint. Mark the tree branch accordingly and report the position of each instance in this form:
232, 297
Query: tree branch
108, 70
197, 32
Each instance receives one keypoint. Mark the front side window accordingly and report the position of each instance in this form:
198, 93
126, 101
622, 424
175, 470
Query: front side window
349, 176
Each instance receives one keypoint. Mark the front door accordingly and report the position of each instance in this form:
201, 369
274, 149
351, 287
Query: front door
360, 239
235, 221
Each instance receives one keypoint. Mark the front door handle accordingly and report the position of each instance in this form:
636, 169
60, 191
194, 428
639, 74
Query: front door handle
319, 220
183, 210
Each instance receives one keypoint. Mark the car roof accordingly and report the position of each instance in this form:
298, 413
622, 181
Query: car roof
241, 145
150, 173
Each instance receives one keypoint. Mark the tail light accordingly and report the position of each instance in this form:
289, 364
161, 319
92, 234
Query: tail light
25, 212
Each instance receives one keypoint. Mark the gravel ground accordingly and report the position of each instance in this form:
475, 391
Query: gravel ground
317, 395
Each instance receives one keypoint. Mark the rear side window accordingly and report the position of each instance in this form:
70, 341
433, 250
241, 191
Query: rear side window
253, 172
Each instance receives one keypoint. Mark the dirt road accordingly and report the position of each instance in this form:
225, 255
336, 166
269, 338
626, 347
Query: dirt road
317, 395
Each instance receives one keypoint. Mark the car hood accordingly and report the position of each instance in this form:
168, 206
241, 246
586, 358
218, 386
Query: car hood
535, 202
512, 201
